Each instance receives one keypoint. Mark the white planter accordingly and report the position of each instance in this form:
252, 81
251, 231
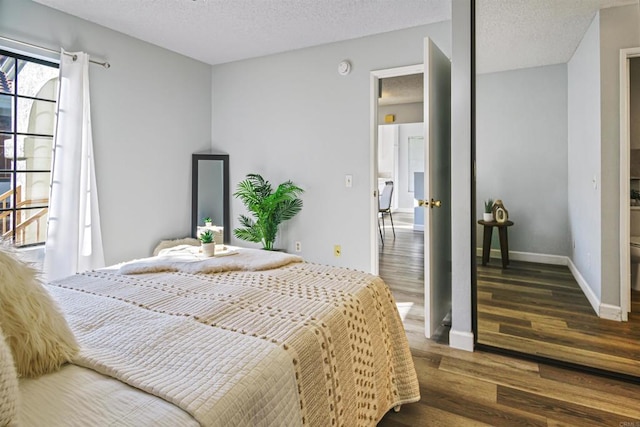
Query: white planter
487, 217
208, 224
209, 249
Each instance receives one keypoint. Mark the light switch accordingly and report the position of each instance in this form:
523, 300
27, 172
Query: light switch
348, 181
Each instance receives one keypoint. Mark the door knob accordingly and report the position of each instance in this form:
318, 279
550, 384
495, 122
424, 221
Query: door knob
435, 203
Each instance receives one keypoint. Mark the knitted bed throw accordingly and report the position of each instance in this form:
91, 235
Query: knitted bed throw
316, 345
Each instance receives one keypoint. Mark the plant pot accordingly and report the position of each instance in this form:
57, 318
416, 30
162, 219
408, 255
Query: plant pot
208, 224
209, 249
488, 217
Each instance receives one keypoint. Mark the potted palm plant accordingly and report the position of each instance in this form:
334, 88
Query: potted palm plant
488, 210
207, 221
269, 208
208, 243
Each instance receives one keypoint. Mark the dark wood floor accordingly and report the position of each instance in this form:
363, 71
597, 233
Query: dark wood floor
460, 388
540, 309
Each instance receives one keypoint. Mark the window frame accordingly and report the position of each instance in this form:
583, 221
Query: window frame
13, 135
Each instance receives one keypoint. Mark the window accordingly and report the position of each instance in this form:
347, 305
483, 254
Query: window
28, 93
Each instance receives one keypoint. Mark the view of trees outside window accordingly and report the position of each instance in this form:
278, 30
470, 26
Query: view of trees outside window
28, 93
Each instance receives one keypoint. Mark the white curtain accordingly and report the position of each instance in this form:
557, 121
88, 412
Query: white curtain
74, 239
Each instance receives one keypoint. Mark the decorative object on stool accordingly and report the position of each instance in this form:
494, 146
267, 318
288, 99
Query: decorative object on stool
488, 212
500, 213
268, 207
208, 244
208, 222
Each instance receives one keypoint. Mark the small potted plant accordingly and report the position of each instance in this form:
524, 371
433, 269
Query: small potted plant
488, 210
208, 243
207, 221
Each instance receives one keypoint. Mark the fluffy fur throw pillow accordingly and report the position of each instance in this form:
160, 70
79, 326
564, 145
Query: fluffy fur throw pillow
8, 386
35, 330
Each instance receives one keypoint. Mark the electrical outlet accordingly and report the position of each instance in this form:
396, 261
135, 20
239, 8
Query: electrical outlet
298, 246
337, 250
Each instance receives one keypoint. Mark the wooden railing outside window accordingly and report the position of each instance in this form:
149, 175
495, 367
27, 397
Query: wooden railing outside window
22, 221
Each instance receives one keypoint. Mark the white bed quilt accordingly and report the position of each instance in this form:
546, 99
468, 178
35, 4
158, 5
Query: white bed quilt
304, 344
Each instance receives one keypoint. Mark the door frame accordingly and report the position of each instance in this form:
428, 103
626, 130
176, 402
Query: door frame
374, 79
625, 147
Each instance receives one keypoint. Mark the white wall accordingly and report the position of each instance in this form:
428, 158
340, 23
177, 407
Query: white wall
521, 154
462, 218
292, 116
405, 131
387, 153
404, 113
150, 111
634, 75
619, 28
584, 156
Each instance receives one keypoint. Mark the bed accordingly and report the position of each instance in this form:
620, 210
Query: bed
250, 338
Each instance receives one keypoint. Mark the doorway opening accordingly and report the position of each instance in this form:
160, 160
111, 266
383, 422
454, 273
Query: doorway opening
398, 255
629, 181
434, 153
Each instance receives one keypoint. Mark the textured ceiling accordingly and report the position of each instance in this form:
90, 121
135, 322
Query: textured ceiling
402, 90
513, 34
219, 31
510, 34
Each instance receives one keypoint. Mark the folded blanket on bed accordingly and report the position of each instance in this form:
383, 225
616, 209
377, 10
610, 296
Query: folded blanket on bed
201, 369
304, 344
188, 259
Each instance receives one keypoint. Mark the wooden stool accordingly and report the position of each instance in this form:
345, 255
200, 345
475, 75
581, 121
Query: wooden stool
504, 240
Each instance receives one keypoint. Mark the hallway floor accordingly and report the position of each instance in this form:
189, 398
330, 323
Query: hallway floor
460, 388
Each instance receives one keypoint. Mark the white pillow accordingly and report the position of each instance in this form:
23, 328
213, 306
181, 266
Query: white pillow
164, 244
35, 330
8, 386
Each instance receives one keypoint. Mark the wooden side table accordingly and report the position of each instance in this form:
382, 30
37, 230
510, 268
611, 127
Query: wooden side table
504, 240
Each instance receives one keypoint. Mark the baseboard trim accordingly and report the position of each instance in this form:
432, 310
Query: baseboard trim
461, 340
604, 311
527, 257
586, 289
610, 312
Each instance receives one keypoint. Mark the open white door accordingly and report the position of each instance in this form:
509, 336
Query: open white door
437, 184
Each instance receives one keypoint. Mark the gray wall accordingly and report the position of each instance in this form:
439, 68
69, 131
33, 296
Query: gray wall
619, 28
292, 116
405, 113
634, 71
521, 154
150, 111
462, 250
584, 156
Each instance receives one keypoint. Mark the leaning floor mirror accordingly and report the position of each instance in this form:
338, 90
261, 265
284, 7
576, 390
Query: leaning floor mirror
210, 194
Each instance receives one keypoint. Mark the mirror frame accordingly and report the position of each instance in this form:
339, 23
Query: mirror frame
226, 222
